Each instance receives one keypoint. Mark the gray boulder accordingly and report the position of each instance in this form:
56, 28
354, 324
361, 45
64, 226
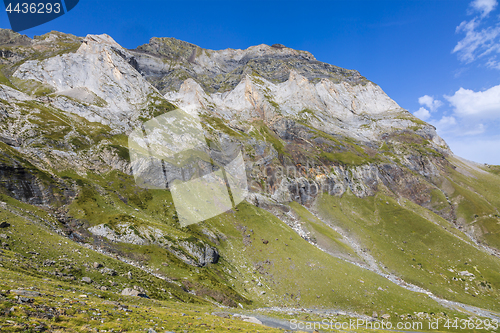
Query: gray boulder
108, 271
252, 320
22, 300
25, 293
130, 292
86, 279
221, 314
136, 291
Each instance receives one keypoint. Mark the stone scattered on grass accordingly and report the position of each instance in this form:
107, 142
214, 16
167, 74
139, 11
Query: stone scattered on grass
25, 293
134, 292
86, 279
221, 314
108, 271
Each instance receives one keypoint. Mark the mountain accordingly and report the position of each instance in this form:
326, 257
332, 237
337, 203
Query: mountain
356, 208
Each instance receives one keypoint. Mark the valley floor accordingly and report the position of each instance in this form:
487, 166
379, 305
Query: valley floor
31, 304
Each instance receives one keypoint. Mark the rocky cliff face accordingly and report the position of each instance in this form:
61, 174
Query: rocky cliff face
96, 82
363, 112
167, 62
282, 106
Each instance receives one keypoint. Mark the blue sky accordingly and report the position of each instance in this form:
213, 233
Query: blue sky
439, 59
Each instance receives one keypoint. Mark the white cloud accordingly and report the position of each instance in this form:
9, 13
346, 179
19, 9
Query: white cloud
430, 102
484, 6
470, 129
478, 150
478, 129
477, 43
464, 128
492, 63
481, 40
446, 121
478, 105
422, 113
445, 125
431, 105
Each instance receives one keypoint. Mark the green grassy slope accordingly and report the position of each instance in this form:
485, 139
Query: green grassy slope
474, 191
324, 236
64, 307
37, 259
419, 251
292, 271
295, 273
286, 282
32, 246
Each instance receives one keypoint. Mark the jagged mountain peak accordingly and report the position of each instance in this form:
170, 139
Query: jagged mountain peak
12, 38
95, 81
168, 47
173, 48
102, 39
9, 37
167, 62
